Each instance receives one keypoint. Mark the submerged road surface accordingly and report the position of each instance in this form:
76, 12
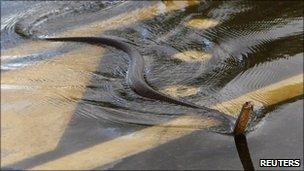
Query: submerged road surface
67, 105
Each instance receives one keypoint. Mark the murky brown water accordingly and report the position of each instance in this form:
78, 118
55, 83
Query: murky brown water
206, 53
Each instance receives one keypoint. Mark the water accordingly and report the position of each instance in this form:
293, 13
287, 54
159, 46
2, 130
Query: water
206, 53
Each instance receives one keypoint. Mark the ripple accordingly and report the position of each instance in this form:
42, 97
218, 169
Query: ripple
30, 20
262, 75
205, 53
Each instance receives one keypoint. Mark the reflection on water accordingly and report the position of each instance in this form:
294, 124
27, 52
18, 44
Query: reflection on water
205, 53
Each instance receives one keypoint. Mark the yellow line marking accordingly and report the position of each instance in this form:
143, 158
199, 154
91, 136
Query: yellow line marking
24, 131
193, 55
98, 27
202, 23
148, 138
123, 146
269, 95
31, 125
28, 48
35, 115
130, 18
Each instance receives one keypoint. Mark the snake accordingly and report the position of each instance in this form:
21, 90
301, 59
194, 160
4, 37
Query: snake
135, 77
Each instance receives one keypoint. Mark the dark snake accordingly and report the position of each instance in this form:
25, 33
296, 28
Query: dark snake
135, 74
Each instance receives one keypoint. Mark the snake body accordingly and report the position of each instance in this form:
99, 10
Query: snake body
135, 74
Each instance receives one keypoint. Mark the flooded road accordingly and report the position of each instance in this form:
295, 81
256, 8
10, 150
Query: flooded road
69, 102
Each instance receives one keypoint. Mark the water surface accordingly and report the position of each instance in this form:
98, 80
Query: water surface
206, 53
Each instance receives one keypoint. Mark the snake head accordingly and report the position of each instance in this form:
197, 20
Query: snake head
242, 120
